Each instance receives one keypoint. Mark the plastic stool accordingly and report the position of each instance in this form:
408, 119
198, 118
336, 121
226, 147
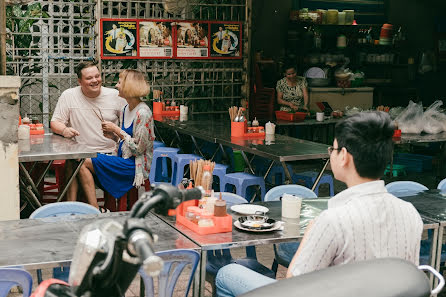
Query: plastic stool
180, 161
308, 177
156, 171
121, 204
58, 166
157, 144
220, 170
278, 173
242, 181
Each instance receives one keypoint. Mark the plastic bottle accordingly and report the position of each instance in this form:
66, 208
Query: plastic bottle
206, 180
255, 123
210, 203
220, 207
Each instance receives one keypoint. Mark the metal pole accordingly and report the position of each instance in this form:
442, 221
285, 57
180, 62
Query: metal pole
2, 37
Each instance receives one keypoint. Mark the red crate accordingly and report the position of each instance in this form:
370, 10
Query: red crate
292, 117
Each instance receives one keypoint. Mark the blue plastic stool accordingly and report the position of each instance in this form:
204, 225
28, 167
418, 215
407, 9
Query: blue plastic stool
10, 277
276, 176
157, 144
220, 170
308, 177
159, 161
180, 161
242, 181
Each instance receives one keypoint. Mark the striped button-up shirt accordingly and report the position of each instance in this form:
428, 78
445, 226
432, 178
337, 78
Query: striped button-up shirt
361, 223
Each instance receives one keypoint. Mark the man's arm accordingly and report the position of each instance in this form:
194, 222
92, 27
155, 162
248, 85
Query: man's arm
301, 245
61, 129
319, 246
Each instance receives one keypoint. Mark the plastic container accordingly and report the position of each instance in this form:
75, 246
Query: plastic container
332, 16
238, 129
206, 220
206, 180
349, 16
292, 117
341, 18
221, 224
23, 132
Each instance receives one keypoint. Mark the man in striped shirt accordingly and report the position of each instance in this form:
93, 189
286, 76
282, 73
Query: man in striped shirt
362, 222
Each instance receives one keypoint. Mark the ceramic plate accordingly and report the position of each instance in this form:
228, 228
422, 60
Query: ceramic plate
249, 209
256, 222
276, 226
315, 72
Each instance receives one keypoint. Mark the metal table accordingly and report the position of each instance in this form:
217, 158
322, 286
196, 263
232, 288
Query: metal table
293, 230
47, 148
431, 204
44, 243
277, 148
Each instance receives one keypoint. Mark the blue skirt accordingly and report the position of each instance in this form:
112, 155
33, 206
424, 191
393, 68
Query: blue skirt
115, 174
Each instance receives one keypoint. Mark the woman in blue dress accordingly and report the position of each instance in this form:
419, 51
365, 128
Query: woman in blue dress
129, 166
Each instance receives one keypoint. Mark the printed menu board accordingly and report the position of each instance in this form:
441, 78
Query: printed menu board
119, 39
192, 40
165, 39
155, 39
226, 40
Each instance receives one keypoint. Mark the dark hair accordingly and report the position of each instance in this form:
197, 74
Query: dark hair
82, 65
367, 136
288, 65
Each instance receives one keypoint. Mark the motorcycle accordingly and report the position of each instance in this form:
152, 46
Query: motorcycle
108, 254
383, 277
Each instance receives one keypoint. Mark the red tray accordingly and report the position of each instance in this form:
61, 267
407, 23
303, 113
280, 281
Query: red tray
221, 224
292, 117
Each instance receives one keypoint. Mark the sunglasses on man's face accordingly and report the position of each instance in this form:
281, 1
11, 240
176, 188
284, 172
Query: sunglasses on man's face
331, 149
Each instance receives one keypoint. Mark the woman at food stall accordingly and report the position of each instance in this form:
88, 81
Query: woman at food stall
129, 166
292, 93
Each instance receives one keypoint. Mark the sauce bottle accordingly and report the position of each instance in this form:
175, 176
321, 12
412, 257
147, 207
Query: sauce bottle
220, 207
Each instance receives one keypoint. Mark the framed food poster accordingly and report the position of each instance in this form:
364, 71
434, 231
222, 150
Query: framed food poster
226, 38
155, 39
192, 40
118, 39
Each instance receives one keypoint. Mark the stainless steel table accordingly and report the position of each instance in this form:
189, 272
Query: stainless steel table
293, 230
278, 148
44, 243
47, 148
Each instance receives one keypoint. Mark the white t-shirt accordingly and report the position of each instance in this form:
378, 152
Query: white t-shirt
76, 110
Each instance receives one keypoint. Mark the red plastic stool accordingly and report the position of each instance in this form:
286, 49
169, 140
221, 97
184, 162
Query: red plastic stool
121, 204
59, 170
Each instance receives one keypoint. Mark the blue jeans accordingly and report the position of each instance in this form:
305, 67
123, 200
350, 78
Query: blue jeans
234, 280
287, 250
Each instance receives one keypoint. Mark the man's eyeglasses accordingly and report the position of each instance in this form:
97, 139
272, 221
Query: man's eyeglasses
331, 149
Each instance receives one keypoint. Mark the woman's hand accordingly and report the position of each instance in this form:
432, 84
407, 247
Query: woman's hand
293, 106
110, 127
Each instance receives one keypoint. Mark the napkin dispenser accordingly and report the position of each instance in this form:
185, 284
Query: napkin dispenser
270, 128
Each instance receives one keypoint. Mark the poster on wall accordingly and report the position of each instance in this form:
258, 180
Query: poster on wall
192, 40
226, 40
155, 39
118, 39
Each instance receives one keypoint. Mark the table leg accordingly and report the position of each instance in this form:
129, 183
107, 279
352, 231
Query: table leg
42, 176
247, 162
196, 146
157, 133
289, 179
268, 170
439, 250
433, 256
318, 178
73, 176
225, 156
29, 186
202, 280
29, 194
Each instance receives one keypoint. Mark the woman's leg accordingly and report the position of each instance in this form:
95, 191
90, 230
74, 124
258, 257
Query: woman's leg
234, 279
87, 181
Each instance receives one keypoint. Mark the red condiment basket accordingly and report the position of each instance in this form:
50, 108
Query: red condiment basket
292, 117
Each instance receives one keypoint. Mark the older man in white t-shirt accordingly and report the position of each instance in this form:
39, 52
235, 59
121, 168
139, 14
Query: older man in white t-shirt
80, 111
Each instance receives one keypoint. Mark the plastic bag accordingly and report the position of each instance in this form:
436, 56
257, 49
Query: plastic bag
434, 119
410, 119
394, 112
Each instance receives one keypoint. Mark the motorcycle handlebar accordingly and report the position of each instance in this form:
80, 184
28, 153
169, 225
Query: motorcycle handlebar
142, 243
163, 198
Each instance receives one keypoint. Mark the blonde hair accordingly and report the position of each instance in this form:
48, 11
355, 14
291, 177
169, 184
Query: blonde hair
134, 84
